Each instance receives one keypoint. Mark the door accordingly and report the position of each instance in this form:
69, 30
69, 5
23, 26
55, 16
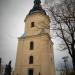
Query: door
30, 72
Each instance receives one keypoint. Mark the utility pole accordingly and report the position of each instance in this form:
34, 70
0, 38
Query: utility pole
0, 65
65, 58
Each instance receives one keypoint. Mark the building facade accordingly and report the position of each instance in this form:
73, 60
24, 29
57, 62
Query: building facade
35, 49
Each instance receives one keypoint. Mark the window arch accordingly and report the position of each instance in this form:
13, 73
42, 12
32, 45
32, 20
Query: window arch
31, 45
31, 60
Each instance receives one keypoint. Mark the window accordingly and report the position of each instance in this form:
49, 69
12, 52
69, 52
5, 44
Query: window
32, 24
31, 45
39, 73
31, 60
30, 72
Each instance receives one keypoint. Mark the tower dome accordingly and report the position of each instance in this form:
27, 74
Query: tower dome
37, 7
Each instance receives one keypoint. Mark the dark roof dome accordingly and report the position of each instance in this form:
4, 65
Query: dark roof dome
37, 7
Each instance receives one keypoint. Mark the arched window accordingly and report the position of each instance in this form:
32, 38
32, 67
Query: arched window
31, 45
32, 24
31, 60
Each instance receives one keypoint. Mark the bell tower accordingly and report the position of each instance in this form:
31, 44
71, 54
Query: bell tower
35, 49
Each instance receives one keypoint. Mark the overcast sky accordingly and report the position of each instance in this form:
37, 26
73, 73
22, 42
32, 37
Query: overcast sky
12, 15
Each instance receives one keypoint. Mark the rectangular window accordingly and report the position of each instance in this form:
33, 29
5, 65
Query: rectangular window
32, 24
31, 45
31, 60
30, 71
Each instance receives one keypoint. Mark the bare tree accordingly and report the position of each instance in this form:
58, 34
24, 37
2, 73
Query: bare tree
64, 25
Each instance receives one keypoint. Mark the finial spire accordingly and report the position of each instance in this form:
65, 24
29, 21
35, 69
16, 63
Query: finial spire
37, 7
37, 2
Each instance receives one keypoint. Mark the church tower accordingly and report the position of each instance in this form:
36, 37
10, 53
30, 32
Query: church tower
35, 48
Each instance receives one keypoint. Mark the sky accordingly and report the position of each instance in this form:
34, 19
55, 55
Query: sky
12, 15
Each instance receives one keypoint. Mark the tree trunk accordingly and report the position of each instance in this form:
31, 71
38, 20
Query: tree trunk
73, 61
73, 52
